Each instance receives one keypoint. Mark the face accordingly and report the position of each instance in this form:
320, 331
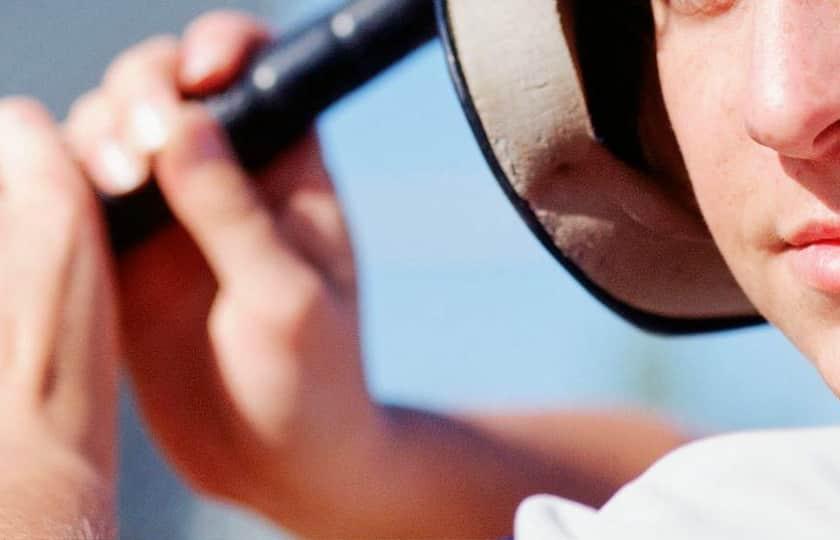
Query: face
752, 88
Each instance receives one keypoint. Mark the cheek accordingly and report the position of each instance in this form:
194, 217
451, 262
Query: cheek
703, 88
742, 190
702, 107
745, 190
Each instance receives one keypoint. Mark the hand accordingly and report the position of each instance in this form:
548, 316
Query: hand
242, 327
59, 339
243, 341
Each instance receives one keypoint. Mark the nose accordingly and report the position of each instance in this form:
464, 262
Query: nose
793, 102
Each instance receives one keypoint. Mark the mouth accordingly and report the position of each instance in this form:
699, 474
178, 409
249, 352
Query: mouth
813, 254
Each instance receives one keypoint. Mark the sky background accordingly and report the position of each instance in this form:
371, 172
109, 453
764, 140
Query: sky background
462, 307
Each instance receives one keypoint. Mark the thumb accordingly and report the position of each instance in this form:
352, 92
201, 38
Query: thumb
219, 206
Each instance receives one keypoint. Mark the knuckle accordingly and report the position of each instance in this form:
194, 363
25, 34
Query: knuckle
134, 61
88, 117
25, 110
290, 315
83, 106
296, 315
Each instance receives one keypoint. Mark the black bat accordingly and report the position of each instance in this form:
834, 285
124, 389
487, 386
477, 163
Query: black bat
285, 87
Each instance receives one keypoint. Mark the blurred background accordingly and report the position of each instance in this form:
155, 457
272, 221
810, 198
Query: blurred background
462, 308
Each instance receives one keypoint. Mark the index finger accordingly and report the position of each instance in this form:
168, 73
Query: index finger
142, 84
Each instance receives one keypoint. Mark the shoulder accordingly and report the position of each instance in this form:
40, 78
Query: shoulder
543, 517
753, 484
768, 484
747, 454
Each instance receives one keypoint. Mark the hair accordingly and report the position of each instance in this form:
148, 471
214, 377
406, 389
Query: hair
616, 48
615, 45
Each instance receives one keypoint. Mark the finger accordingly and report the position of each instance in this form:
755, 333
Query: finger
301, 195
314, 225
142, 83
52, 225
34, 161
141, 88
91, 132
216, 47
216, 202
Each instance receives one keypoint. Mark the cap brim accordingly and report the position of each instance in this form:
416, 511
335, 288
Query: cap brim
630, 244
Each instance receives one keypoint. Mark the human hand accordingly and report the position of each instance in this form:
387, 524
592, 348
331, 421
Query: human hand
241, 322
59, 339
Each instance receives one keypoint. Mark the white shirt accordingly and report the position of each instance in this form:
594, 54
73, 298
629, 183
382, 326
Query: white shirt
770, 485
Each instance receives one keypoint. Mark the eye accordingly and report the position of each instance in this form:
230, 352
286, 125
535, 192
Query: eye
701, 7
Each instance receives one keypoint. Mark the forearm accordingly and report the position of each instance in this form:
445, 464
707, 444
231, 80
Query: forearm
429, 476
444, 478
601, 450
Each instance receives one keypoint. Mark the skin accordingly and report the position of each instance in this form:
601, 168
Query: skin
753, 92
59, 337
242, 337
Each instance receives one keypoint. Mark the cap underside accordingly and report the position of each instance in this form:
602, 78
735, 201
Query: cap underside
626, 239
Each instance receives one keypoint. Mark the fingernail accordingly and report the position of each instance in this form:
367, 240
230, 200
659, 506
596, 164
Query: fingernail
197, 67
149, 130
122, 171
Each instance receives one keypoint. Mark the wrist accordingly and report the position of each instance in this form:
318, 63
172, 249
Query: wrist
323, 490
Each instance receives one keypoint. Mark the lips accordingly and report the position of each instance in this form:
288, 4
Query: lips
814, 256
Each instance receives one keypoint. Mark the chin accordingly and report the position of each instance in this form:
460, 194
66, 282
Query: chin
827, 357
807, 315
829, 369
819, 341
809, 318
